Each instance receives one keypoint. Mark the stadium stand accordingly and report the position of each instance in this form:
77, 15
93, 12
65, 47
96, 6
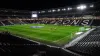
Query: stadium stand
63, 21
16, 21
14, 46
89, 45
6, 22
1, 24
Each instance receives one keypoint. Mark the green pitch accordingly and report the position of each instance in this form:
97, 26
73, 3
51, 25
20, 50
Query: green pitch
49, 34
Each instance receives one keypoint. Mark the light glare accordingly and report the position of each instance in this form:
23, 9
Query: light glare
58, 10
53, 10
64, 9
49, 11
81, 7
34, 15
91, 5
69, 8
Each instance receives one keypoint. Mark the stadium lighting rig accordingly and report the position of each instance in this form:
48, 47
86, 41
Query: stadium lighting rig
64, 9
58, 10
42, 11
49, 11
81, 7
69, 8
92, 6
53, 10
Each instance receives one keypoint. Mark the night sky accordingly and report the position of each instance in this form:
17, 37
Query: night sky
39, 4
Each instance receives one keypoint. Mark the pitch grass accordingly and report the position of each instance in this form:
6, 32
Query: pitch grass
49, 34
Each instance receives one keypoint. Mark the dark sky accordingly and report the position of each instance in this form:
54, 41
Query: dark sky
39, 4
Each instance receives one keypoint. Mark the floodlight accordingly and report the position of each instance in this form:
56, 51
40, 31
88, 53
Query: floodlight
49, 10
53, 10
69, 8
34, 15
64, 9
42, 11
82, 7
58, 10
91, 5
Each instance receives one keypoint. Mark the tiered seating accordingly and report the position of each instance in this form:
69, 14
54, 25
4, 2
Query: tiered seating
60, 21
1, 24
14, 40
93, 36
29, 21
14, 46
25, 21
49, 21
89, 45
6, 22
86, 48
16, 21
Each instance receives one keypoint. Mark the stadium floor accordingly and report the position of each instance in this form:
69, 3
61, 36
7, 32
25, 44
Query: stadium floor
48, 34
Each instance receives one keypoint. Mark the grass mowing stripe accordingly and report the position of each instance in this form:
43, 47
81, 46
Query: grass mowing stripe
46, 35
52, 33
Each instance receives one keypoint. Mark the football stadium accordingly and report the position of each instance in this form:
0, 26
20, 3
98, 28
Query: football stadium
58, 34
63, 31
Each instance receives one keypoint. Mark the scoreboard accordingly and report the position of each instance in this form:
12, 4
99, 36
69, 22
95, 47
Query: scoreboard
34, 14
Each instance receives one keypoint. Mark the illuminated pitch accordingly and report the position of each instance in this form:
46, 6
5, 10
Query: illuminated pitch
48, 34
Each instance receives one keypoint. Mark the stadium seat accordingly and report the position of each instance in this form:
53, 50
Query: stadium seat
89, 45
